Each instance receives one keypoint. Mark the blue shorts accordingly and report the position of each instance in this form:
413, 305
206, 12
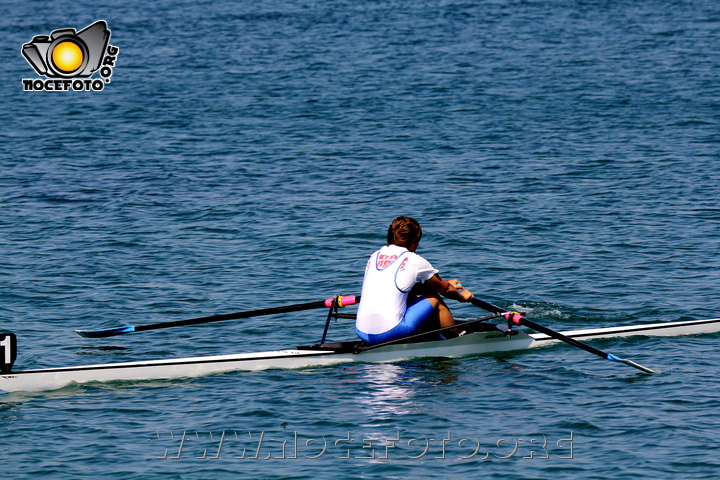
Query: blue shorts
417, 315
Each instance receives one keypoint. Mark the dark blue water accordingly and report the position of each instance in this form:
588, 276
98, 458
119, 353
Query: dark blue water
562, 157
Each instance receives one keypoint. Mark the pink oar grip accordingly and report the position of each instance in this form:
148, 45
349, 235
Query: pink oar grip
513, 317
343, 301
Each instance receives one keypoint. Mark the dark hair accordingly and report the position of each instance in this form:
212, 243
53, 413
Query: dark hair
404, 232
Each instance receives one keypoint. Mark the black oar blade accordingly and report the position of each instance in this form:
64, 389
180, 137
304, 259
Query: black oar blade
631, 363
108, 332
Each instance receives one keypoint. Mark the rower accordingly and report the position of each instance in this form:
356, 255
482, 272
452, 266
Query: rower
401, 292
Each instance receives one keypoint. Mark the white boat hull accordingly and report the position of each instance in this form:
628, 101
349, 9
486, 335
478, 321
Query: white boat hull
470, 344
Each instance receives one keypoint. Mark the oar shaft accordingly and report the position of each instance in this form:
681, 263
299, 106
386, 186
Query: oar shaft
561, 337
519, 319
232, 316
487, 306
329, 303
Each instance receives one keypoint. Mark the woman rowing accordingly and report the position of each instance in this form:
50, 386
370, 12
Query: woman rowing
401, 290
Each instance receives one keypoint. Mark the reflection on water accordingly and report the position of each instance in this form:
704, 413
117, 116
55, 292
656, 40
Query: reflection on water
397, 388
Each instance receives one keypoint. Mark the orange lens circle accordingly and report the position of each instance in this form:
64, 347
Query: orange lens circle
67, 56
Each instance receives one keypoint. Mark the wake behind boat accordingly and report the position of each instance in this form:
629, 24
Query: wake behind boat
481, 337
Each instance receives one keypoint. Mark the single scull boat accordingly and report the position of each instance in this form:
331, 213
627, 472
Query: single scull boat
481, 338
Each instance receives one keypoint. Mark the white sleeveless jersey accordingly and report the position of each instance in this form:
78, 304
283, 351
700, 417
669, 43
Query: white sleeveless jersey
390, 274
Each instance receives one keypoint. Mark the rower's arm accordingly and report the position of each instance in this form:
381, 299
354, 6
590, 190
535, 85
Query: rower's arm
449, 288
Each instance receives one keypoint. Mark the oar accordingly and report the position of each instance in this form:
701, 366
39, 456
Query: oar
110, 332
520, 320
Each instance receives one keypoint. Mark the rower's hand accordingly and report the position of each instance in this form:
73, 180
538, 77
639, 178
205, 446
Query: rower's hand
464, 294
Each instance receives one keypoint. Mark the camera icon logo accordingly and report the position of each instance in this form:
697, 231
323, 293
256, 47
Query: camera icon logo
66, 53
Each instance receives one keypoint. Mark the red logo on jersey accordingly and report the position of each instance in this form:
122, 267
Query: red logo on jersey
384, 261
